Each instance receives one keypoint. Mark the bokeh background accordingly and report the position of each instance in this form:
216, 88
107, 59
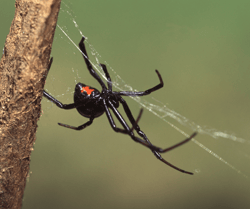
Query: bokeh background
201, 49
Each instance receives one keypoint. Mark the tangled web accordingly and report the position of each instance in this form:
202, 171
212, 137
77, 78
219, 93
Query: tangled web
157, 108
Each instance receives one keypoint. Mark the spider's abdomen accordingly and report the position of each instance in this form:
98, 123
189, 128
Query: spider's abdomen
90, 99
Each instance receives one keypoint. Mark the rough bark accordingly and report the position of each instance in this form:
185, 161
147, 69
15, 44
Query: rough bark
22, 76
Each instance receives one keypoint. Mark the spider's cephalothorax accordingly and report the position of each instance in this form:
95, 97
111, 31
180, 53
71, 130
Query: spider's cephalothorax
92, 103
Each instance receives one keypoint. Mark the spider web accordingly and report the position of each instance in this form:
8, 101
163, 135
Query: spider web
157, 108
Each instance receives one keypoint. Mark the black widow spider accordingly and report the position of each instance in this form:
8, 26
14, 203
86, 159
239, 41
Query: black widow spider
91, 104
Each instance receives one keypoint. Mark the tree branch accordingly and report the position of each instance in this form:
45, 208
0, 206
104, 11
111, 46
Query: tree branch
22, 77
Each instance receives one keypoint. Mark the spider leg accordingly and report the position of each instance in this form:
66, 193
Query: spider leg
143, 93
137, 120
132, 128
112, 122
52, 99
125, 126
88, 64
110, 88
107, 76
172, 147
132, 120
79, 127
59, 104
122, 121
143, 135
171, 165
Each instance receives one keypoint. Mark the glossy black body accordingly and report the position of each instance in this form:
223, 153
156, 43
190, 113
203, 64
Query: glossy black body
92, 103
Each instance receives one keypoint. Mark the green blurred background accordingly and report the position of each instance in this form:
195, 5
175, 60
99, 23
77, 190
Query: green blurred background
201, 49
